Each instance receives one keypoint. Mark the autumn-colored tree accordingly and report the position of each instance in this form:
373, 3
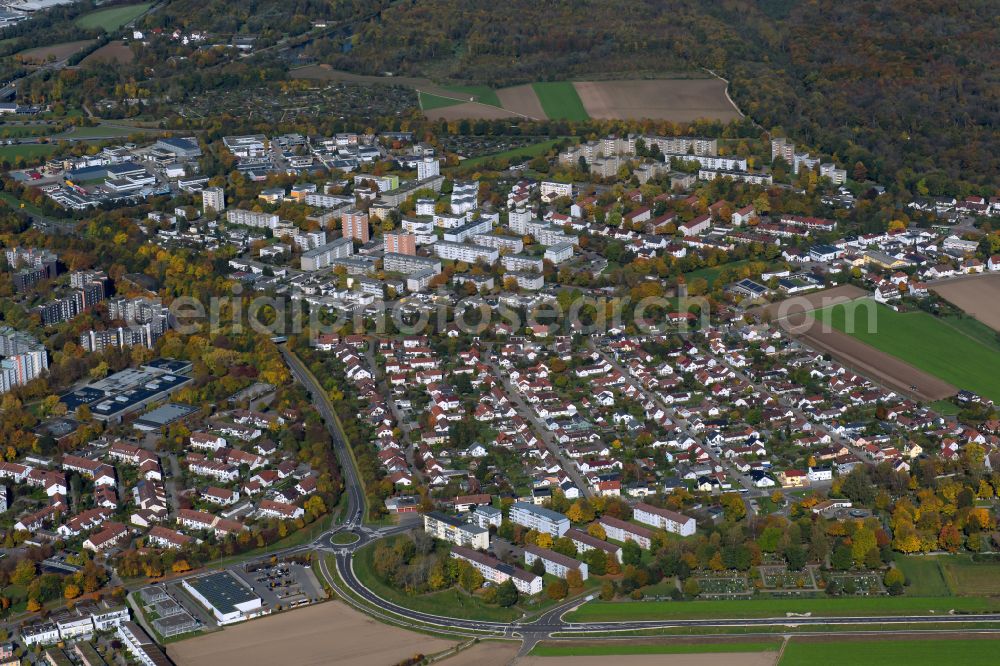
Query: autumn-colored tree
596, 530
949, 538
574, 579
71, 591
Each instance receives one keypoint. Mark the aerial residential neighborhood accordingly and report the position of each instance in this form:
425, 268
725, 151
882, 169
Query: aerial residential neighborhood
389, 333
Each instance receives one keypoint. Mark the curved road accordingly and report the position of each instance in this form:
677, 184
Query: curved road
543, 626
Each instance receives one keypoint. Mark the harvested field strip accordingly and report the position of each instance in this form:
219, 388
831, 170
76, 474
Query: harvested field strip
522, 100
678, 100
560, 100
312, 636
57, 52
977, 295
923, 341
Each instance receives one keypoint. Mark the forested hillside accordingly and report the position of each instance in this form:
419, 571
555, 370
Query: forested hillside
909, 87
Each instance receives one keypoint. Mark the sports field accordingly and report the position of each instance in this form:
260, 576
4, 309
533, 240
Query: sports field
894, 652
923, 341
112, 18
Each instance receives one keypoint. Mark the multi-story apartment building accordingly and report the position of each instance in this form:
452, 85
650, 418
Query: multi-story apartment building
24, 358
783, 148
742, 176
557, 564
324, 255
428, 167
456, 530
213, 199
620, 530
539, 519
399, 243
498, 572
466, 231
664, 519
521, 262
354, 225
251, 218
585, 542
466, 252
713, 162
508, 244
405, 263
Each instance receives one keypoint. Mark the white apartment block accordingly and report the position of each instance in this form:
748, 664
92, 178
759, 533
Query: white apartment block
251, 218
456, 531
466, 252
428, 167
213, 198
520, 262
324, 255
742, 176
556, 564
551, 190
509, 244
497, 572
559, 253
539, 519
712, 162
664, 519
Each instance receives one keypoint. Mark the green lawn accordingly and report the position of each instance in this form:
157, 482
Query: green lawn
560, 100
527, 152
945, 407
99, 131
112, 18
29, 151
964, 577
429, 101
451, 603
967, 652
975, 329
15, 203
923, 341
483, 94
613, 648
604, 611
343, 538
923, 575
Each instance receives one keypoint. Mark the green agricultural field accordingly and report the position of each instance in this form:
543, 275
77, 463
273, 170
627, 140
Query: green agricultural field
604, 611
112, 18
923, 576
429, 101
612, 648
883, 652
559, 99
925, 342
483, 94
